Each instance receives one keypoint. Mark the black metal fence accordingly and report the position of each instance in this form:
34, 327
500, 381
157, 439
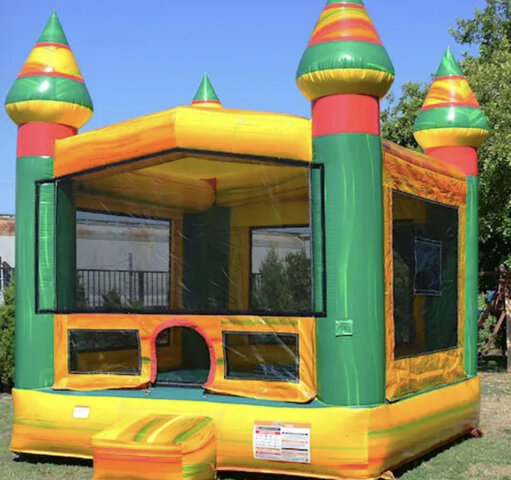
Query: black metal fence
118, 288
122, 288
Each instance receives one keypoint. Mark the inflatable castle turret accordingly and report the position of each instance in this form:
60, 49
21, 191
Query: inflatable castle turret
206, 95
344, 72
451, 127
48, 101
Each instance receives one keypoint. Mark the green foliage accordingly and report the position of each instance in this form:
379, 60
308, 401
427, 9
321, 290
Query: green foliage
488, 73
488, 26
398, 117
81, 298
111, 300
484, 333
285, 283
7, 337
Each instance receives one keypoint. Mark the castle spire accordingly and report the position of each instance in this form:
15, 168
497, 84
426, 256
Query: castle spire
345, 54
50, 87
450, 127
451, 115
206, 95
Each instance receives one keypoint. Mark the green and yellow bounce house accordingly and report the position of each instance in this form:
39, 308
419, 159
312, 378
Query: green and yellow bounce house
208, 289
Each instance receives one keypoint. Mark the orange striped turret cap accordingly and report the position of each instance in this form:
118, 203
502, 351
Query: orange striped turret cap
451, 115
50, 87
345, 54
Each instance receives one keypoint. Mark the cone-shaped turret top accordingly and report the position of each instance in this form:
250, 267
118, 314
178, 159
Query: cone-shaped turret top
206, 95
345, 54
451, 115
49, 87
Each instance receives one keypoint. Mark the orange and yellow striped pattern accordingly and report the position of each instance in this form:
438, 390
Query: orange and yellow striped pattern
156, 447
51, 60
345, 443
450, 91
344, 22
211, 329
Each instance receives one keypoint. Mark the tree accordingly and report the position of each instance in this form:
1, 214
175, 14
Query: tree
488, 72
7, 337
284, 283
488, 27
398, 117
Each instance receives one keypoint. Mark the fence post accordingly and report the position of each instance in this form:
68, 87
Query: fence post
141, 288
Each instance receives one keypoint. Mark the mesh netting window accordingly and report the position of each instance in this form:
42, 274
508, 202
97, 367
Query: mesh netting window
182, 233
122, 262
281, 269
261, 356
182, 357
104, 351
425, 276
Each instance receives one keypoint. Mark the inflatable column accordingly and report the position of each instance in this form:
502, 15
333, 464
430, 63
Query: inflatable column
47, 101
450, 127
345, 71
206, 95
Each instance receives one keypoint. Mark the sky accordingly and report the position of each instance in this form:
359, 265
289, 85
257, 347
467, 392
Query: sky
143, 56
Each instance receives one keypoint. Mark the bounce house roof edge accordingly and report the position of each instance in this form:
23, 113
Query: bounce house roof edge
237, 132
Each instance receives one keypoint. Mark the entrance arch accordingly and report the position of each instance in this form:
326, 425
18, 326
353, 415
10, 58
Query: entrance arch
182, 357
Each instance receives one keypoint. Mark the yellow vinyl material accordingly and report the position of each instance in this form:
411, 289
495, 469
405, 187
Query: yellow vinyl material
451, 137
50, 111
156, 447
211, 328
345, 443
217, 130
375, 83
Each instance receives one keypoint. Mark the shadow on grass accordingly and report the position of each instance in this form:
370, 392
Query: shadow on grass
48, 460
400, 471
254, 476
492, 363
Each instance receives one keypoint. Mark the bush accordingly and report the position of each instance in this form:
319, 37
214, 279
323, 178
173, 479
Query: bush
7, 338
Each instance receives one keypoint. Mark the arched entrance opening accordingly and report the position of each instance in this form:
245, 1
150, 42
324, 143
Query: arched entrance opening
182, 357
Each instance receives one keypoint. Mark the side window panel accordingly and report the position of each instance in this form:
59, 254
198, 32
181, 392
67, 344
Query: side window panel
261, 356
425, 277
104, 352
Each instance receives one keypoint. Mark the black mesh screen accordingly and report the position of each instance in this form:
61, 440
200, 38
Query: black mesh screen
261, 356
104, 351
122, 262
281, 269
425, 277
181, 233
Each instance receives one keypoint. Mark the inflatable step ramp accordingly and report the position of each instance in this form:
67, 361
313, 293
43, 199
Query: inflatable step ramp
156, 447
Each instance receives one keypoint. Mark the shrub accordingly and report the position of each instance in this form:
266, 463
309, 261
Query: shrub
7, 337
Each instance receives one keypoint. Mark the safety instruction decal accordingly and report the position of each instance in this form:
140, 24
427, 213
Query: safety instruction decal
282, 442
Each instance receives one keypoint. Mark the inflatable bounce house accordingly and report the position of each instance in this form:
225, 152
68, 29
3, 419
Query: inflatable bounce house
208, 289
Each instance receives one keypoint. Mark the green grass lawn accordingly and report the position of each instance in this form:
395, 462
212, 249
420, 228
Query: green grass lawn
487, 458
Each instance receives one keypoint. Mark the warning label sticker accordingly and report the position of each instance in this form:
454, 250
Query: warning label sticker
282, 442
